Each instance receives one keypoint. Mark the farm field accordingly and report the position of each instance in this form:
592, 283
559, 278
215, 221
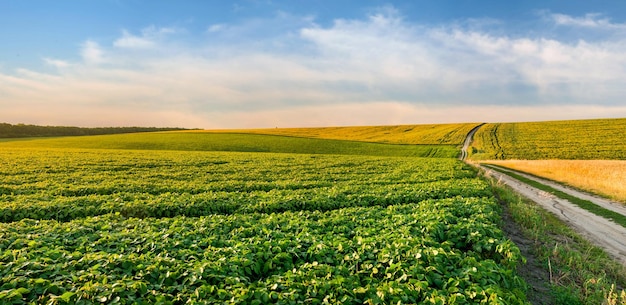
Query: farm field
67, 184
601, 139
211, 141
93, 225
447, 134
604, 177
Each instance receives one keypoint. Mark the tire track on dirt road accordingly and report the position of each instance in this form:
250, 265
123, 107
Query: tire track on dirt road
597, 200
468, 142
598, 230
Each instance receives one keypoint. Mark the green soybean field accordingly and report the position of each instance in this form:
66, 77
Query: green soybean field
139, 226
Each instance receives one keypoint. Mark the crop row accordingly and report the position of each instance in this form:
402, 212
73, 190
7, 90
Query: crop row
91, 166
65, 185
437, 251
14, 208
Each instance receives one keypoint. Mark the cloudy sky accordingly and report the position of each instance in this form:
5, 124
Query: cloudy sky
289, 63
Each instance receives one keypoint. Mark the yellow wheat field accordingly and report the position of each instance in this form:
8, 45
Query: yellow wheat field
604, 177
447, 134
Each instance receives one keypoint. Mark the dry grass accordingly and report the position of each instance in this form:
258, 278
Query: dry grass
604, 177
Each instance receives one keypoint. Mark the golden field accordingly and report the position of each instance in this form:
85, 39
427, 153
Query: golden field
604, 177
597, 139
450, 134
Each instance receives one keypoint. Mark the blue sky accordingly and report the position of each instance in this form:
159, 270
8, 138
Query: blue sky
240, 64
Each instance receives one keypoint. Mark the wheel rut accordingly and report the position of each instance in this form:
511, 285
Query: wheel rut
598, 230
468, 142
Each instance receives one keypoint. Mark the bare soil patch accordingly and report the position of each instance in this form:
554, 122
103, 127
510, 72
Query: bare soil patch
532, 272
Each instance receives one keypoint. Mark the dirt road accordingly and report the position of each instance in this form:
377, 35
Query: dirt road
468, 141
598, 230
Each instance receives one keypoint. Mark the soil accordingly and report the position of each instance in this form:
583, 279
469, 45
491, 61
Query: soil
532, 272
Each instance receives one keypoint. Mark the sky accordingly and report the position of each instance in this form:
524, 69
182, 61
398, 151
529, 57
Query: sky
295, 63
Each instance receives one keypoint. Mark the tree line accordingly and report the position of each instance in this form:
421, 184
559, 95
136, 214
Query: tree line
25, 131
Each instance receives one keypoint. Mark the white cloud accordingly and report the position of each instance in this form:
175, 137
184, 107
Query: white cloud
149, 38
91, 52
56, 63
381, 69
591, 20
562, 72
130, 41
455, 65
216, 28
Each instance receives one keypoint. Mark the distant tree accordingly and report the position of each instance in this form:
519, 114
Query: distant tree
26, 131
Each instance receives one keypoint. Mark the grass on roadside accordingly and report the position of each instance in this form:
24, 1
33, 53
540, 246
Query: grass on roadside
580, 273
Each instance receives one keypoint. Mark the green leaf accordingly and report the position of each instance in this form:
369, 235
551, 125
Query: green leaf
66, 296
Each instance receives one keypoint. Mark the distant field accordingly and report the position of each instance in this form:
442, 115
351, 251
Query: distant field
605, 177
580, 139
204, 141
448, 134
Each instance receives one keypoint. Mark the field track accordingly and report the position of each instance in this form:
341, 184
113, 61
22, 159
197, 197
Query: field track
598, 230
468, 142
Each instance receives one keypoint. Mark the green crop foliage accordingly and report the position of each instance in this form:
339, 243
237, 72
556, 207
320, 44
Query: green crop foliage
84, 226
439, 250
69, 184
580, 139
